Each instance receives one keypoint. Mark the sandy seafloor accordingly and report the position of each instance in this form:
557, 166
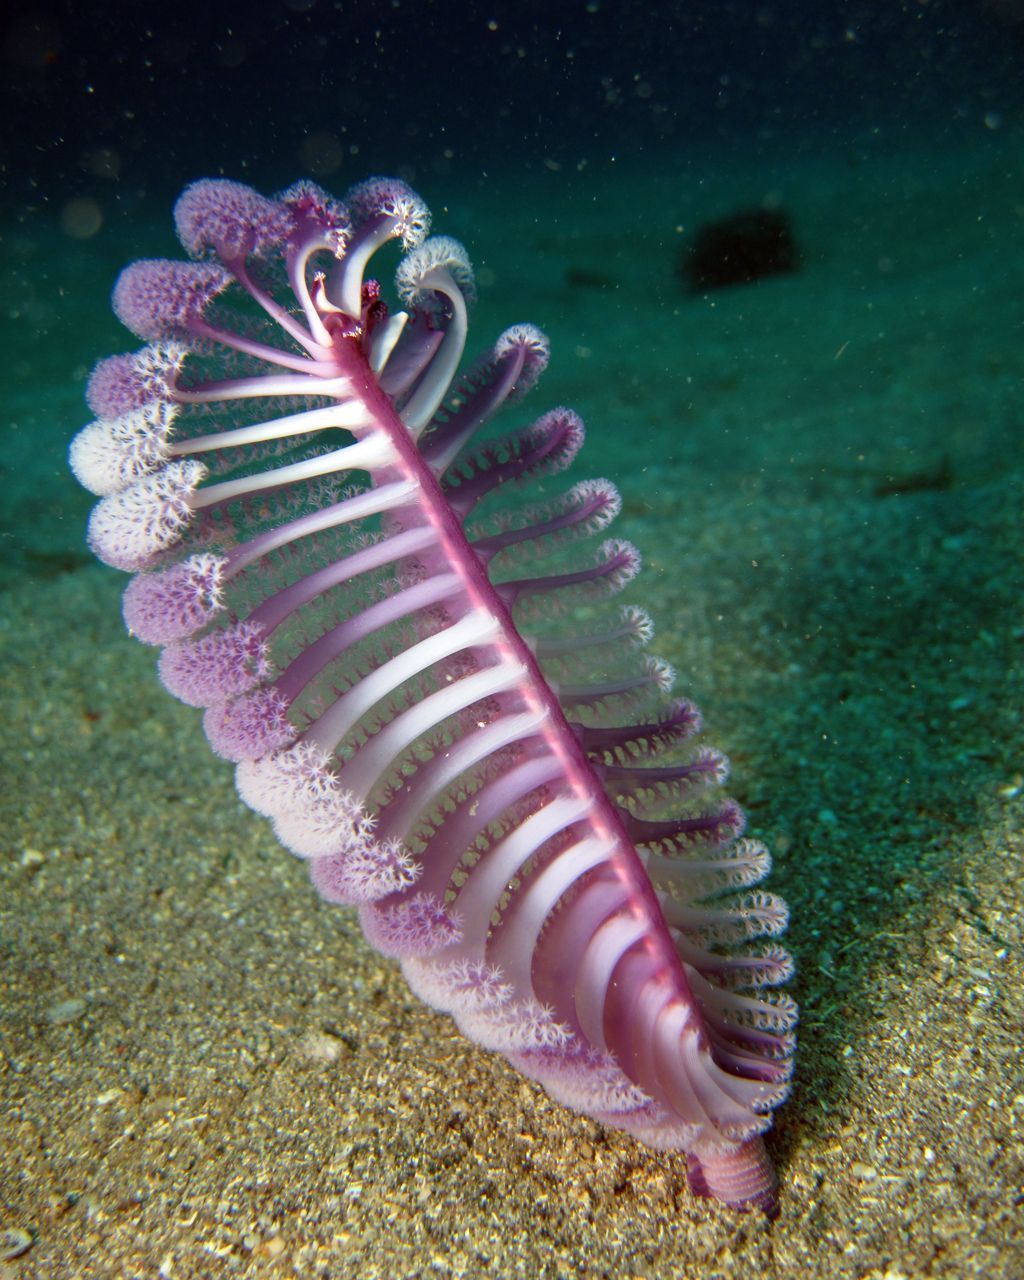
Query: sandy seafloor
204, 1071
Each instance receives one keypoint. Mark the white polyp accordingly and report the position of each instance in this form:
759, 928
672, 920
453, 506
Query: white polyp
660, 673
594, 973
375, 451
488, 880
346, 415
321, 828
384, 747
112, 453
154, 363
459, 985
524, 335
439, 253
476, 628
370, 871
535, 903
385, 338
420, 925
514, 1027
656, 1130
599, 1089
608, 497
127, 529
637, 622
229, 661
285, 780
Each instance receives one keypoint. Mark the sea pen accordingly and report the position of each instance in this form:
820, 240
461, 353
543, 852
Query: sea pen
420, 676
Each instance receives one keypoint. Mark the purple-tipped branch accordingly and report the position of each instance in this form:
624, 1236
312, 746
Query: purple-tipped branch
551, 442
480, 404
656, 677
620, 564
706, 768
679, 723
693, 878
582, 506
706, 830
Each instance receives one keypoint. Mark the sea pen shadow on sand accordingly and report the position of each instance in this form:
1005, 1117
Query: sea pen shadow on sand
850, 527
889, 734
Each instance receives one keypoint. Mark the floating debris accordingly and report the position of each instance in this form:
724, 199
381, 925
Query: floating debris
937, 478
13, 1243
321, 1047
739, 249
66, 1011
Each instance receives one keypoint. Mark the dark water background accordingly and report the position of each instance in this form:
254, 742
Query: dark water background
114, 103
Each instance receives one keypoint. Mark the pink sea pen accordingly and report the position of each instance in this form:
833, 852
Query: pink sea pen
328, 543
